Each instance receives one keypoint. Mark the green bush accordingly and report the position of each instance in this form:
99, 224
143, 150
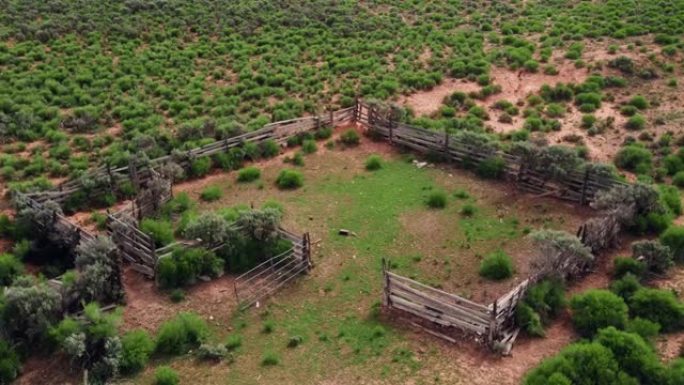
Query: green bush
497, 266
180, 334
437, 199
634, 158
211, 193
290, 179
373, 162
468, 210
10, 268
626, 286
673, 238
581, 363
233, 342
596, 309
270, 359
639, 102
648, 330
269, 148
9, 363
350, 137
636, 122
184, 265
294, 341
633, 355
491, 168
529, 320
164, 375
160, 231
628, 110
546, 298
625, 265
323, 133
678, 179
309, 146
136, 347
200, 167
248, 174
659, 306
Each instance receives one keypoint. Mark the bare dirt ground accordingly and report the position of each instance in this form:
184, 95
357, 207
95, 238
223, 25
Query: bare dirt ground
147, 307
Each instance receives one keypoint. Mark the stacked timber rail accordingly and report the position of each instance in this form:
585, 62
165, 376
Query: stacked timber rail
111, 178
272, 274
579, 186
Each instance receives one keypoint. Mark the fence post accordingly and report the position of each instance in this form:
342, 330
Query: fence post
332, 116
386, 301
446, 145
492, 325
583, 198
357, 109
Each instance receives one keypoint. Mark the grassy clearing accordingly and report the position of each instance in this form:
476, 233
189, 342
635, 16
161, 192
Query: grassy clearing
334, 310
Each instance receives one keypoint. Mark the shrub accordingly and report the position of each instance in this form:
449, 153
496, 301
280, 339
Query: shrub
233, 342
270, 359
9, 363
270, 148
634, 158
596, 309
678, 179
437, 199
633, 355
350, 137
289, 179
623, 265
639, 102
546, 298
268, 327
181, 333
211, 193
648, 330
10, 268
164, 375
636, 122
628, 110
373, 162
491, 168
177, 295
309, 146
184, 265
212, 352
248, 174
468, 210
200, 167
160, 231
580, 363
496, 266
529, 320
659, 306
294, 341
673, 238
136, 349
323, 133
656, 257
626, 286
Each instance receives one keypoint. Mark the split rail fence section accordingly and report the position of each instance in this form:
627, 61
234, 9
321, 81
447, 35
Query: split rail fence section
579, 186
269, 276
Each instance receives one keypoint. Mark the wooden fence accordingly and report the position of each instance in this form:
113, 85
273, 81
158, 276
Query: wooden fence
269, 276
579, 186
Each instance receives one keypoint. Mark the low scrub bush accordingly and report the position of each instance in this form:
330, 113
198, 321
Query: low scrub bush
160, 231
491, 168
659, 306
626, 286
9, 363
468, 210
678, 179
373, 162
136, 347
289, 180
673, 238
294, 341
625, 265
184, 265
597, 309
233, 342
437, 199
200, 167
350, 137
164, 375
248, 174
636, 122
10, 268
270, 359
639, 102
497, 266
269, 148
211, 193
212, 352
634, 158
309, 146
180, 334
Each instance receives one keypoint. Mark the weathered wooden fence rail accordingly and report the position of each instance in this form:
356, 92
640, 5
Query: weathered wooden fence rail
579, 186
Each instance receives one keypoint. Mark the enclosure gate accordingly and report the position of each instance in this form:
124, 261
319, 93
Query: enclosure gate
272, 274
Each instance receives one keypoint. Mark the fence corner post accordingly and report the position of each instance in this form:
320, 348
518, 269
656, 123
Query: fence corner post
492, 325
386, 300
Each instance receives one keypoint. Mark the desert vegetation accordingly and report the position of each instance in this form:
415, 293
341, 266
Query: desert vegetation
97, 96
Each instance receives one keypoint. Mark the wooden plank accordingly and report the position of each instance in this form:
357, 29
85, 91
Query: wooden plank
457, 299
